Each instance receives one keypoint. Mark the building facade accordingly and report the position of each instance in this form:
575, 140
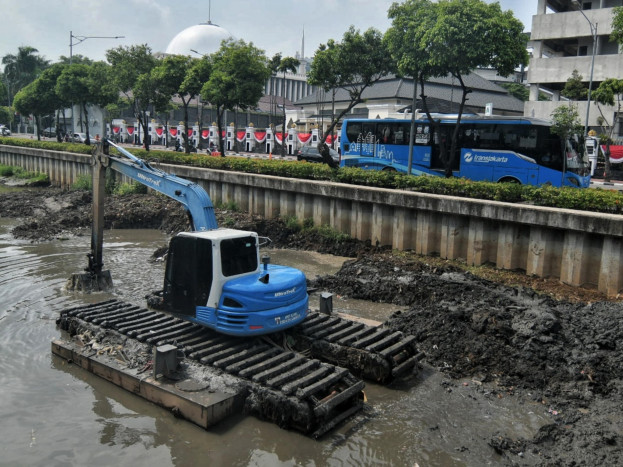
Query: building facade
562, 41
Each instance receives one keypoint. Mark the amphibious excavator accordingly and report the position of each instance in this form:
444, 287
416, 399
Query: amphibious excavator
214, 276
224, 298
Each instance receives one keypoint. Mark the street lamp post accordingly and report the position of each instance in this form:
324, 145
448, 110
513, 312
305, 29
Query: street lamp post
79, 40
590, 82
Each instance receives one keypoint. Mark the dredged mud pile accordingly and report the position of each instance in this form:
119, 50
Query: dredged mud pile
565, 355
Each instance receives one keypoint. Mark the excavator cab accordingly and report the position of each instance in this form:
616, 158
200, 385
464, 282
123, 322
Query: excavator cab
188, 275
215, 278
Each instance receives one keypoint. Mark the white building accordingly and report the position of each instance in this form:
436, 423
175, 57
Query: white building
562, 41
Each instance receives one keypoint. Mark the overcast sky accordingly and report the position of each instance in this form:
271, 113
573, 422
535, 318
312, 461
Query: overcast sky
274, 26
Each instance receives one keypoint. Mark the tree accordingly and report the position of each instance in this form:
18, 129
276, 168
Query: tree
574, 87
76, 58
239, 71
131, 75
411, 58
21, 69
609, 92
51, 101
26, 102
354, 64
617, 25
6, 115
39, 98
181, 76
283, 66
454, 37
4, 94
86, 84
273, 65
565, 123
517, 90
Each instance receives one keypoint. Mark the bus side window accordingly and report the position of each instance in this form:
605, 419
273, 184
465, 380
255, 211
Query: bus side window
468, 138
353, 130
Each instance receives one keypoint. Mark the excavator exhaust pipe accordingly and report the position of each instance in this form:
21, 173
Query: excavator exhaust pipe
95, 279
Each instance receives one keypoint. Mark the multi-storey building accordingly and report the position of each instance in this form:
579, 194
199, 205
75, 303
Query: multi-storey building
562, 41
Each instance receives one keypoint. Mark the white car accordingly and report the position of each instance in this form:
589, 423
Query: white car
79, 137
4, 131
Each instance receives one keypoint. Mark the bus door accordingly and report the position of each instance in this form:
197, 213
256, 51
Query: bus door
445, 136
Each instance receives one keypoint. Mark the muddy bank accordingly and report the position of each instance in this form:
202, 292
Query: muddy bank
565, 357
50, 213
555, 347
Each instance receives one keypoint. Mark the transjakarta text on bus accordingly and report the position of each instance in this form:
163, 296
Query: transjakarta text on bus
496, 149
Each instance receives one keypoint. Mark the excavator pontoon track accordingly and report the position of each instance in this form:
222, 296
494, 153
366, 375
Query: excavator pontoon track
285, 387
374, 353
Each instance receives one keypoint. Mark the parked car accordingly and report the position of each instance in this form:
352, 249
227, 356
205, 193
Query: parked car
80, 137
4, 131
49, 132
311, 154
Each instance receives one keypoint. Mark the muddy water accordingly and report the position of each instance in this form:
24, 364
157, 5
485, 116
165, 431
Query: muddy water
55, 414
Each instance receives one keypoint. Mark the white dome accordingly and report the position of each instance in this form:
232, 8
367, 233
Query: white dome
205, 38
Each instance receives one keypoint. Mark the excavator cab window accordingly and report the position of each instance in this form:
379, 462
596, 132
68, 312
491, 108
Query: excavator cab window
188, 276
239, 255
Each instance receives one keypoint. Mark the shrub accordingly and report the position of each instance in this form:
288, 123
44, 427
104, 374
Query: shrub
130, 188
588, 200
6, 170
83, 182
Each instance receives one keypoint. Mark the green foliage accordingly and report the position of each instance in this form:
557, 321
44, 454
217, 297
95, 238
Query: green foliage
566, 121
292, 223
239, 72
574, 87
130, 188
48, 145
617, 25
340, 65
183, 77
453, 37
609, 92
517, 90
6, 115
6, 170
132, 77
22, 68
34, 178
330, 233
229, 206
596, 200
83, 182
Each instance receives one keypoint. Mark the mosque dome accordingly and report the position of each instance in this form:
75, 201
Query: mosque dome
205, 38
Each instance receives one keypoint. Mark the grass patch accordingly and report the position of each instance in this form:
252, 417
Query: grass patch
292, 223
328, 232
130, 189
82, 182
33, 178
229, 206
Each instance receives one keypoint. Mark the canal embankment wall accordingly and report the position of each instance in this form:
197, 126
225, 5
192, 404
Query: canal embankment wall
582, 249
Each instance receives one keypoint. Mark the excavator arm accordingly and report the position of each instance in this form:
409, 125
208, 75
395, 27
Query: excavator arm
189, 194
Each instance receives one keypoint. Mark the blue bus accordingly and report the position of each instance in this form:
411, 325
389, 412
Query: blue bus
495, 149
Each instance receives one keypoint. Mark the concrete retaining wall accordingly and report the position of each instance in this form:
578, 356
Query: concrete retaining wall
580, 248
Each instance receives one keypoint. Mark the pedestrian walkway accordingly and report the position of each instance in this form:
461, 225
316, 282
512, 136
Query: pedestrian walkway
611, 185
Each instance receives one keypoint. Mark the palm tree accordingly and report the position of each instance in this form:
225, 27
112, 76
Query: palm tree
285, 64
22, 68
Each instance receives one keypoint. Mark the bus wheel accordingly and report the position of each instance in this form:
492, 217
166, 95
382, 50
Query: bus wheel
509, 180
389, 169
